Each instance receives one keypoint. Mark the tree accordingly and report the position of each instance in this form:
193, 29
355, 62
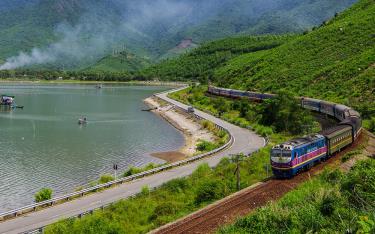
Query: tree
285, 114
43, 195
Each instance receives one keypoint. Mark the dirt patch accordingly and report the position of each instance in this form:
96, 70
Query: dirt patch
171, 156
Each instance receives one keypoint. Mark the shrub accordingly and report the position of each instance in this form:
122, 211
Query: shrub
145, 190
105, 178
209, 191
205, 146
163, 211
43, 195
132, 171
370, 124
360, 184
176, 185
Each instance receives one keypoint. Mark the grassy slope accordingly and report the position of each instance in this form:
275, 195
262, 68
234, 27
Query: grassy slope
331, 203
202, 61
335, 62
120, 63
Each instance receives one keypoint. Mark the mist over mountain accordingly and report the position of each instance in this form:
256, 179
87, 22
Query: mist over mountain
75, 33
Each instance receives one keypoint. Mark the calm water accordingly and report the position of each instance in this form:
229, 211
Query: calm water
43, 146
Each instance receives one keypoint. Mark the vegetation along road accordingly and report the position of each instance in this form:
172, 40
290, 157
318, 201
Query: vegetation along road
245, 142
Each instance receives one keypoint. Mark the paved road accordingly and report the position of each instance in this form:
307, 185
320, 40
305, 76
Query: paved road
245, 141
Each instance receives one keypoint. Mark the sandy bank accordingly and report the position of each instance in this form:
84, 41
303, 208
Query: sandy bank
192, 130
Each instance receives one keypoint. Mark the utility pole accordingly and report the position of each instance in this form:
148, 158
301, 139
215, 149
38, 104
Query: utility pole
237, 159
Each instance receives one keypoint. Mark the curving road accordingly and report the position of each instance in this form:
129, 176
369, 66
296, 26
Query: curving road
245, 142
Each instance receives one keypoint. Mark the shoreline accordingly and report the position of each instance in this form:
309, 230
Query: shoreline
192, 130
146, 83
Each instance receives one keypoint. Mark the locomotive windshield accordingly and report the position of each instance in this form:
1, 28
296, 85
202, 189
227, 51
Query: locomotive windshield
281, 153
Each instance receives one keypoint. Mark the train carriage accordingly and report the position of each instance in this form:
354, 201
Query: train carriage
338, 138
310, 103
355, 123
341, 112
327, 108
238, 94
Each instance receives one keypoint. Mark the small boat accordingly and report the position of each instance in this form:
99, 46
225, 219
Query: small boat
7, 100
99, 86
82, 121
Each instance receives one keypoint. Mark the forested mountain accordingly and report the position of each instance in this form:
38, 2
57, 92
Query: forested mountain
335, 61
64, 33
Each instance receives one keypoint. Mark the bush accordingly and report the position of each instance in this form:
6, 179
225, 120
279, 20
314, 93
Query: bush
209, 191
360, 186
285, 115
205, 146
145, 190
43, 195
164, 211
369, 124
106, 178
176, 185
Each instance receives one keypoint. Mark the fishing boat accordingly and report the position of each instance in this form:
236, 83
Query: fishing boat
82, 121
7, 100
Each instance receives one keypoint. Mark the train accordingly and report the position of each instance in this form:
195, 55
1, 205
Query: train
300, 154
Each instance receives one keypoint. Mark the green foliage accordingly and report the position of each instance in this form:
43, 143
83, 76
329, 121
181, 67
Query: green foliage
145, 190
43, 195
284, 113
135, 170
319, 206
360, 186
281, 114
333, 62
120, 62
209, 191
105, 178
172, 200
370, 124
206, 146
201, 62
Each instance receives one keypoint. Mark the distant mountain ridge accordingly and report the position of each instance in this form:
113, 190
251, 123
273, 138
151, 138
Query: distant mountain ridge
74, 33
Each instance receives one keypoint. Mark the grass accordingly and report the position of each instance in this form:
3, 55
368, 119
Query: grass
174, 199
330, 203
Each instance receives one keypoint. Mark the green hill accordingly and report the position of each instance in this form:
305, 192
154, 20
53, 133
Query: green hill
202, 62
335, 62
73, 34
120, 62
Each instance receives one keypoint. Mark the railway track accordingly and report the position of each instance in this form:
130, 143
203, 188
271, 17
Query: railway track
225, 211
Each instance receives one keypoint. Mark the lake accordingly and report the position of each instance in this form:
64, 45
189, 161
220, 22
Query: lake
42, 145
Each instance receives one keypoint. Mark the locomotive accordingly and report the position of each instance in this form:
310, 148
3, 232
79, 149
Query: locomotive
291, 157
